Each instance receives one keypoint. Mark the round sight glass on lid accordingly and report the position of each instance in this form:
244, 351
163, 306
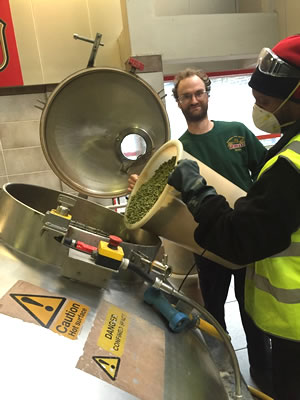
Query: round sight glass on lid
133, 146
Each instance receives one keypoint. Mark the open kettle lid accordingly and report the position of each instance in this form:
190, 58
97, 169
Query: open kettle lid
99, 126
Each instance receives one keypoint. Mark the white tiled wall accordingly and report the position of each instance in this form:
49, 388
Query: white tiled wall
21, 156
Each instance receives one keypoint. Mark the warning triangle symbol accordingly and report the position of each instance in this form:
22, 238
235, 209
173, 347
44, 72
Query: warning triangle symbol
43, 309
110, 365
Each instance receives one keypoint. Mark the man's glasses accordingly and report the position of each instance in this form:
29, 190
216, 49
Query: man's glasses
187, 97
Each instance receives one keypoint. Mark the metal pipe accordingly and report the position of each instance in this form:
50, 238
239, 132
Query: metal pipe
76, 36
237, 6
140, 272
159, 284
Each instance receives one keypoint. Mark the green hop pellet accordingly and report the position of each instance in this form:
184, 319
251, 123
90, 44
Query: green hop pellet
149, 192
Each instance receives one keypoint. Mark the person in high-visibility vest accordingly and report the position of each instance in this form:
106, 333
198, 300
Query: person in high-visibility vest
263, 228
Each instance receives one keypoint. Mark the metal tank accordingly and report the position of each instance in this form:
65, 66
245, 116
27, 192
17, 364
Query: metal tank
23, 227
83, 126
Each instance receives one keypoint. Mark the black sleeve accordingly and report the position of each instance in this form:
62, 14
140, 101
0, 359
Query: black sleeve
261, 223
256, 154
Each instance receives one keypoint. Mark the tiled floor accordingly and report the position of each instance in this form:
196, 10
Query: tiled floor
236, 332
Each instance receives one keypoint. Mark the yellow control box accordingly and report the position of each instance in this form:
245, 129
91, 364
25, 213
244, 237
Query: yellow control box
106, 251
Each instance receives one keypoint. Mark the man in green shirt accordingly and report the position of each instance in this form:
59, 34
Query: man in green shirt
233, 151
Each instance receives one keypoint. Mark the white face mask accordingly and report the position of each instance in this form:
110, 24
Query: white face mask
265, 120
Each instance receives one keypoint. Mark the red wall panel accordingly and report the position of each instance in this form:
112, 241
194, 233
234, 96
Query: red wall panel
10, 68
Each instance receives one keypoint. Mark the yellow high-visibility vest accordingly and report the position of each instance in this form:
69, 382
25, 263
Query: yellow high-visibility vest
272, 291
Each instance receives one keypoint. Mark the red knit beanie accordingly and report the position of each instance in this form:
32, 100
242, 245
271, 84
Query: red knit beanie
289, 50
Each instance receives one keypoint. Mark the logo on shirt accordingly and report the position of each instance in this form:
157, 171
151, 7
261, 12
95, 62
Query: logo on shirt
236, 143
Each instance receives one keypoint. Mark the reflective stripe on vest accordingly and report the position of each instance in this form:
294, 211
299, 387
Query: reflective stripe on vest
290, 151
273, 286
288, 296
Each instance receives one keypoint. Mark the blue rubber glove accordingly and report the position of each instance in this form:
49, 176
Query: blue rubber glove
186, 179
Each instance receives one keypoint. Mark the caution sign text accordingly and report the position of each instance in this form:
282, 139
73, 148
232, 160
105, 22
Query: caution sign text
50, 312
114, 331
70, 319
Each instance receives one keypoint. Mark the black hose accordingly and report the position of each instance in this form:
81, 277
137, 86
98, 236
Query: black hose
140, 272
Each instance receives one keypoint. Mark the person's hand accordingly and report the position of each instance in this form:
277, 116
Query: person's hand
132, 181
185, 175
186, 179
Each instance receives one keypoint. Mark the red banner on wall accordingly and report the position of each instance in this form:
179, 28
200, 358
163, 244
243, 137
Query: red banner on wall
10, 68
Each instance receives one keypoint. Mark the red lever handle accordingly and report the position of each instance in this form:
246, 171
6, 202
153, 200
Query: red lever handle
136, 64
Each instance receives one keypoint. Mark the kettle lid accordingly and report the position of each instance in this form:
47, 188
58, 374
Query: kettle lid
99, 126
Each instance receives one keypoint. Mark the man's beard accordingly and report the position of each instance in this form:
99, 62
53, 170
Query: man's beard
195, 117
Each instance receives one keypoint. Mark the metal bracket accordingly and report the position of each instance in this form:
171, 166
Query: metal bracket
161, 269
58, 221
39, 106
64, 204
55, 224
96, 43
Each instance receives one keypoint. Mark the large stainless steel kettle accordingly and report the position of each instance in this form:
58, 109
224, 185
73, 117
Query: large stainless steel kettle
83, 127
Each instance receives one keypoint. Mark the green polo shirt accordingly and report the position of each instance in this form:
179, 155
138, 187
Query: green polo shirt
230, 149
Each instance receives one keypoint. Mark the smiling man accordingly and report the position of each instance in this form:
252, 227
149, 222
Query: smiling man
229, 148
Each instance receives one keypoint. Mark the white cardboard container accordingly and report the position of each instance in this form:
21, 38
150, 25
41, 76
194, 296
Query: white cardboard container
170, 218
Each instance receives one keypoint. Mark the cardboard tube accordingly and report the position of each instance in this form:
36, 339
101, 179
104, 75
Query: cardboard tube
169, 217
